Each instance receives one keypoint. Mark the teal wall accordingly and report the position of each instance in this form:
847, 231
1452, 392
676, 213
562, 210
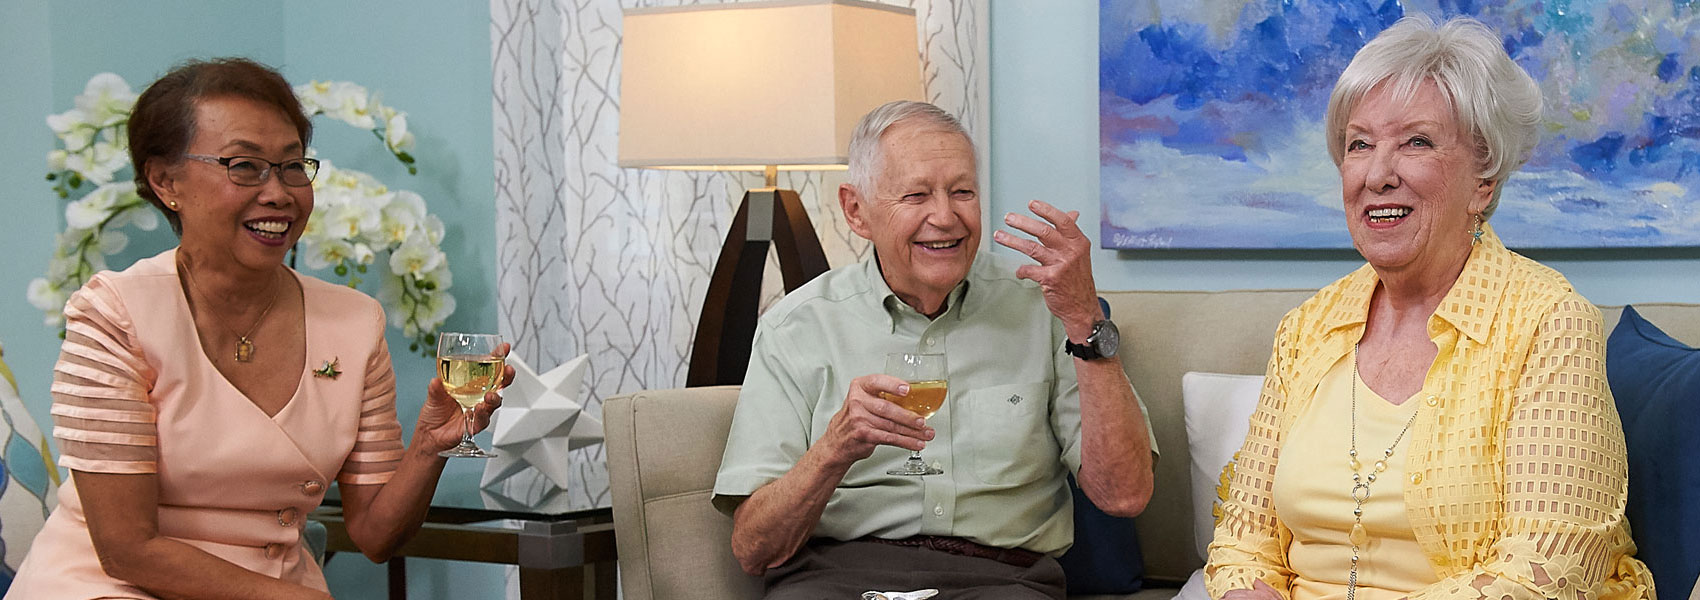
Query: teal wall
1044, 145
429, 58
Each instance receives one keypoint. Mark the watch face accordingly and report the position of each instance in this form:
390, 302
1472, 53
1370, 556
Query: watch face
1106, 339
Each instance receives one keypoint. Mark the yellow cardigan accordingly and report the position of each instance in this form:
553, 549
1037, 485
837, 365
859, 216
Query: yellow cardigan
1517, 469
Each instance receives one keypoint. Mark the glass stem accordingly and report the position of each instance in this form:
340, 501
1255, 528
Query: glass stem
466, 426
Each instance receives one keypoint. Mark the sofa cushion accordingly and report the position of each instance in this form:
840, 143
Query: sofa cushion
1656, 382
1218, 414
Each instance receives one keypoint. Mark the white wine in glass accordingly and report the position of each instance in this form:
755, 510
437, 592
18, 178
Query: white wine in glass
470, 368
927, 388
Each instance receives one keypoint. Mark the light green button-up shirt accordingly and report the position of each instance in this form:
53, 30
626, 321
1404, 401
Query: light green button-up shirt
1010, 421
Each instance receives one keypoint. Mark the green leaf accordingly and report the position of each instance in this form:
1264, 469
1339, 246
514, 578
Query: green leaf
52, 176
413, 347
361, 268
430, 285
342, 270
405, 157
353, 281
76, 180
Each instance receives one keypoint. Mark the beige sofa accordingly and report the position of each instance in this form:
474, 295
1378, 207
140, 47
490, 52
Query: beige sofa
664, 446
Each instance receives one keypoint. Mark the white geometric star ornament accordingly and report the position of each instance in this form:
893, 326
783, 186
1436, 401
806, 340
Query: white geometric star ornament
540, 420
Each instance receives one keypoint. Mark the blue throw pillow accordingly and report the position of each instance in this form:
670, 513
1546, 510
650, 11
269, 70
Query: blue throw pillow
1105, 558
1656, 381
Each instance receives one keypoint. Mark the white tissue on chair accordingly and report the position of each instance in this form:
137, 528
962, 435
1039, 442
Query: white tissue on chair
539, 421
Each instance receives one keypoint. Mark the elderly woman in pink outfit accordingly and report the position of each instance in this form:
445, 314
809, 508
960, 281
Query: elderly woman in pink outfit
206, 397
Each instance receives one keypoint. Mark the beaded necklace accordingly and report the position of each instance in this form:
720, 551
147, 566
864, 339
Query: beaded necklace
1360, 482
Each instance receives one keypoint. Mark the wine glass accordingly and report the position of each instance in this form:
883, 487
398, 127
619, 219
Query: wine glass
926, 376
470, 368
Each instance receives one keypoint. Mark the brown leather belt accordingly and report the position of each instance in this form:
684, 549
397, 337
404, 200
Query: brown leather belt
962, 547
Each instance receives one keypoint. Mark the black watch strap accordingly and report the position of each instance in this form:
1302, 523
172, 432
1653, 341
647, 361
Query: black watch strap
1081, 351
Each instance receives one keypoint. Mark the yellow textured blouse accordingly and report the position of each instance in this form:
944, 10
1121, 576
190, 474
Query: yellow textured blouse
1516, 472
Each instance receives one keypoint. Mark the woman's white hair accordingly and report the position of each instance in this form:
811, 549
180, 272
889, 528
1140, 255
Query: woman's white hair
865, 141
1494, 100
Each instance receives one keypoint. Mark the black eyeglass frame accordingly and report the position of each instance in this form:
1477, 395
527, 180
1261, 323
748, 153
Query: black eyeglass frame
312, 171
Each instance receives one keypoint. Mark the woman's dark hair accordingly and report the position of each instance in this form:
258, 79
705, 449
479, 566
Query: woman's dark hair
163, 122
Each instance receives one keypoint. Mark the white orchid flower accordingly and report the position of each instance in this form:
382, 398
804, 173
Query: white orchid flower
415, 257
349, 219
396, 135
348, 103
91, 210
72, 127
324, 253
106, 99
100, 163
433, 229
113, 242
440, 305
363, 254
56, 160
312, 96
441, 276
143, 216
401, 218
45, 296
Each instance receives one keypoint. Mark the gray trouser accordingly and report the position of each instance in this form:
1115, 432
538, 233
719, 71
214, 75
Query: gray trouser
831, 570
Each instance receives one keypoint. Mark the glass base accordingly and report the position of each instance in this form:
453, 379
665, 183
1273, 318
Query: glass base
466, 449
915, 467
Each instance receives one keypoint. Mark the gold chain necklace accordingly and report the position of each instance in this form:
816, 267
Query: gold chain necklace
1360, 482
244, 345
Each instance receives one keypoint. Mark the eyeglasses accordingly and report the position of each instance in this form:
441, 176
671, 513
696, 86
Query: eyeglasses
253, 170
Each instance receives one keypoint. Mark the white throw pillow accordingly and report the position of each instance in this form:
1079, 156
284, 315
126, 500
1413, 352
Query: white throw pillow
1218, 413
1194, 588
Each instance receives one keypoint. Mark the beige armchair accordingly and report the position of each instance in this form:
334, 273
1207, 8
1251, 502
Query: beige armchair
664, 448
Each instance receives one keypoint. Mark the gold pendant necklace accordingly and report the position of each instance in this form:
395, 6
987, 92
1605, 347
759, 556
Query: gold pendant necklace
244, 343
1360, 482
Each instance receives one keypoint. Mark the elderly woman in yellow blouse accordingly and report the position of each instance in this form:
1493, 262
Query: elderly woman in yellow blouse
1437, 423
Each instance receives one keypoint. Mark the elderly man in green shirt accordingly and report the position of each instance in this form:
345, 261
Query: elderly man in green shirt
1035, 392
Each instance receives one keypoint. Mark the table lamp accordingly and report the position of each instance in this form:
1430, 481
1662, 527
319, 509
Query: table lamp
757, 86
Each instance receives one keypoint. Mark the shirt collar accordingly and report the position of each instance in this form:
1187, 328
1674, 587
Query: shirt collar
895, 306
1480, 285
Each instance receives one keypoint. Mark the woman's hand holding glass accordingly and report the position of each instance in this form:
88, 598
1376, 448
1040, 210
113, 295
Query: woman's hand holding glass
446, 424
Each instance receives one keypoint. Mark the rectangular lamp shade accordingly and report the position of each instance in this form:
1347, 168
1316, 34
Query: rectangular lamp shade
739, 86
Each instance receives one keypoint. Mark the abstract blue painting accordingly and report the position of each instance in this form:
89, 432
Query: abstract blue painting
1211, 120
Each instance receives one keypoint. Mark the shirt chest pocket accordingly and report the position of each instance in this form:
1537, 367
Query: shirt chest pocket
1008, 439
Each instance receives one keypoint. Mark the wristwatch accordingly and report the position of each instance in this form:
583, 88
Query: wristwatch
1103, 342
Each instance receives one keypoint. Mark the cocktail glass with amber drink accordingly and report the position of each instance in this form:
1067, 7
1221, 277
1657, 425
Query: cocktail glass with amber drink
926, 376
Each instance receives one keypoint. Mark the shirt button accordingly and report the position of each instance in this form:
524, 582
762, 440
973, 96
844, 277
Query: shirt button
1433, 400
938, 510
1416, 478
286, 517
932, 341
312, 487
274, 551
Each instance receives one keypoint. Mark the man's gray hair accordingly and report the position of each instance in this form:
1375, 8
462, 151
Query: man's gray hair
1495, 102
865, 154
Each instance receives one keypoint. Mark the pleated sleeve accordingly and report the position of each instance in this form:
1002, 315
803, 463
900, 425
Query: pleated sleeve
102, 416
377, 445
